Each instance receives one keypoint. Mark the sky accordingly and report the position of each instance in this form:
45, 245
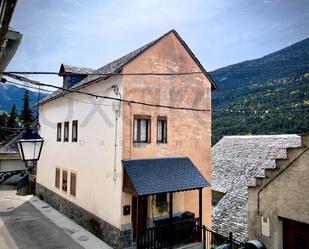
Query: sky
93, 33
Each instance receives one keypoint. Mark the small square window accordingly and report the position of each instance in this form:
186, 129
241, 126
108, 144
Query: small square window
142, 126
74, 130
161, 129
59, 128
66, 132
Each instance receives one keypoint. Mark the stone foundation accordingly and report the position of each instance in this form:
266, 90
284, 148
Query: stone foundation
100, 228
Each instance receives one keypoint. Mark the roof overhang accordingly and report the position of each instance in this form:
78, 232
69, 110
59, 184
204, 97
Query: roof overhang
161, 175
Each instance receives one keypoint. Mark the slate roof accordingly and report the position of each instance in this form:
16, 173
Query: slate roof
236, 162
11, 146
160, 175
117, 65
65, 68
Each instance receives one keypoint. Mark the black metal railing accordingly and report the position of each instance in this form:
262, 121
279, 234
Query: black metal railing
163, 236
212, 239
182, 232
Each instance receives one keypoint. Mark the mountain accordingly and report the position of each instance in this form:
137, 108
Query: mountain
269, 95
10, 94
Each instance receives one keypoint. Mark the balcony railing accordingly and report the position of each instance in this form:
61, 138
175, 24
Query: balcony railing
182, 232
165, 235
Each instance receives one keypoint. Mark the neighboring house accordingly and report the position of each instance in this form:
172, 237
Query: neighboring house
239, 162
279, 203
117, 169
11, 165
8, 50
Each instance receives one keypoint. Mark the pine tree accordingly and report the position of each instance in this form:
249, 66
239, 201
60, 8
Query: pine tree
3, 122
12, 121
26, 114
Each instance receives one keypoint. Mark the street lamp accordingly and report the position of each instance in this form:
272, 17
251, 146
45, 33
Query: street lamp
30, 146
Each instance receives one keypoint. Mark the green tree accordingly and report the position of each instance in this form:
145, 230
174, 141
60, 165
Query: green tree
26, 114
13, 118
3, 122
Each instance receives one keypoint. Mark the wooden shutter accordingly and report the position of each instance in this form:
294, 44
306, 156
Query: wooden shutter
74, 130
59, 132
73, 184
64, 180
57, 178
66, 132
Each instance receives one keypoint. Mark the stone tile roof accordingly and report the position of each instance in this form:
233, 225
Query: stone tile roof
11, 146
75, 69
116, 65
160, 175
236, 162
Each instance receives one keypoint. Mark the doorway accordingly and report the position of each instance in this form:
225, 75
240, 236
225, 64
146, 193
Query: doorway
139, 213
295, 235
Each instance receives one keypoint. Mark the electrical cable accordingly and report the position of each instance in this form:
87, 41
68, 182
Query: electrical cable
37, 83
153, 73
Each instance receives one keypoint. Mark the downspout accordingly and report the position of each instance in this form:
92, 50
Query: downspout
117, 109
274, 177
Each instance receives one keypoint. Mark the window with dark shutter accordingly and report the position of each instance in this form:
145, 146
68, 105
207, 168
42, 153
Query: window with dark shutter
57, 178
73, 184
162, 129
65, 180
74, 130
59, 126
142, 127
66, 132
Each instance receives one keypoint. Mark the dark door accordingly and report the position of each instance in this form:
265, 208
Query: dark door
139, 213
295, 235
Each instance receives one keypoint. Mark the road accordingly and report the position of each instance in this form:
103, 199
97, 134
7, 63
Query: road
27, 222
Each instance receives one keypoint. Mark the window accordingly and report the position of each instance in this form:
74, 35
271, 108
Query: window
57, 178
59, 132
162, 130
66, 132
65, 180
161, 202
74, 130
161, 198
142, 129
73, 184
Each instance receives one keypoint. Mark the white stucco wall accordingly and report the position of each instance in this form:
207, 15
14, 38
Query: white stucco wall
92, 157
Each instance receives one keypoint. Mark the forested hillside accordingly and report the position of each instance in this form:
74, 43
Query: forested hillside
269, 95
11, 94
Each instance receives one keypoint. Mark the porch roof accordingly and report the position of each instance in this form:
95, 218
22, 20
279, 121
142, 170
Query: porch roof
161, 175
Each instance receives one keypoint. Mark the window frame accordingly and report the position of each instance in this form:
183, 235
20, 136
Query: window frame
73, 193
74, 123
162, 119
138, 119
59, 132
57, 177
64, 186
66, 131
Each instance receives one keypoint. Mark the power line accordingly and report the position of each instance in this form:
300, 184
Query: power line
153, 73
37, 83
102, 74
237, 112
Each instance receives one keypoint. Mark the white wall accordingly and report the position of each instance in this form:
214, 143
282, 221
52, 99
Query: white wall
92, 157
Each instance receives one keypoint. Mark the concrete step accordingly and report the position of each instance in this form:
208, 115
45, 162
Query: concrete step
198, 245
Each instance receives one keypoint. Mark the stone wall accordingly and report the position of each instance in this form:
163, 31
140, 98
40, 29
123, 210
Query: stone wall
103, 230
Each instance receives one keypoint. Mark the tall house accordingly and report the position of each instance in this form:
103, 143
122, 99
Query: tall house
138, 158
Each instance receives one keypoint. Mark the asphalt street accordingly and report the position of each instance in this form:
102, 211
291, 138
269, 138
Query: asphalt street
25, 226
